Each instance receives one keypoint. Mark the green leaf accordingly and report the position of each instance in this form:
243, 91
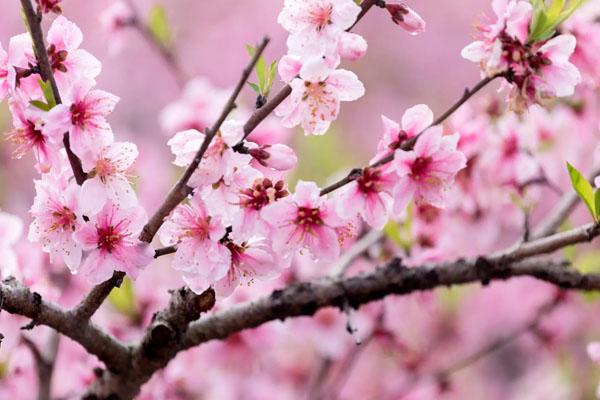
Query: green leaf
254, 87
159, 25
597, 203
40, 104
123, 299
272, 71
546, 19
260, 68
584, 189
48, 93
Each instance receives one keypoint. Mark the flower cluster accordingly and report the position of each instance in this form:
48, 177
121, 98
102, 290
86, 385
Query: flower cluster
536, 69
100, 219
319, 39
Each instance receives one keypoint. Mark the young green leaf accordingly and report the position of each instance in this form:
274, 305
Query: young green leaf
272, 71
254, 87
40, 104
546, 18
159, 25
584, 189
261, 70
597, 203
123, 298
48, 93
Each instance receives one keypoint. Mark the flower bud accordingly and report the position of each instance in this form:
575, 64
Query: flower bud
352, 46
404, 16
278, 156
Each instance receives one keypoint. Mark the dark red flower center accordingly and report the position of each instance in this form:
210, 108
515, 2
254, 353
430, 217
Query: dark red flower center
309, 218
262, 192
108, 238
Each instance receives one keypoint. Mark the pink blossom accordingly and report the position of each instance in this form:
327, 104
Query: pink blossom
56, 216
107, 169
277, 156
316, 25
68, 61
370, 196
304, 220
555, 69
414, 121
200, 255
111, 237
20, 58
83, 114
218, 161
427, 171
28, 135
316, 96
405, 17
502, 39
11, 228
254, 193
250, 259
508, 161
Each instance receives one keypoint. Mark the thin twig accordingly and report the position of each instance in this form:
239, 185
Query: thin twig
263, 112
165, 52
34, 21
181, 190
409, 144
493, 346
94, 299
561, 212
44, 363
357, 249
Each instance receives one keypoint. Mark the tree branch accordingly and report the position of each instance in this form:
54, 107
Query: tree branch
181, 190
18, 299
307, 298
94, 299
263, 112
44, 364
34, 21
561, 212
161, 343
165, 52
409, 144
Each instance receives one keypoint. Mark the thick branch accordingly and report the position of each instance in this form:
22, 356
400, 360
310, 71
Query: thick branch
18, 299
34, 21
307, 298
181, 190
161, 343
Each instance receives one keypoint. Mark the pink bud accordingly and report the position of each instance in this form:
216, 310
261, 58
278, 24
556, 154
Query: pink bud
404, 16
352, 46
277, 156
